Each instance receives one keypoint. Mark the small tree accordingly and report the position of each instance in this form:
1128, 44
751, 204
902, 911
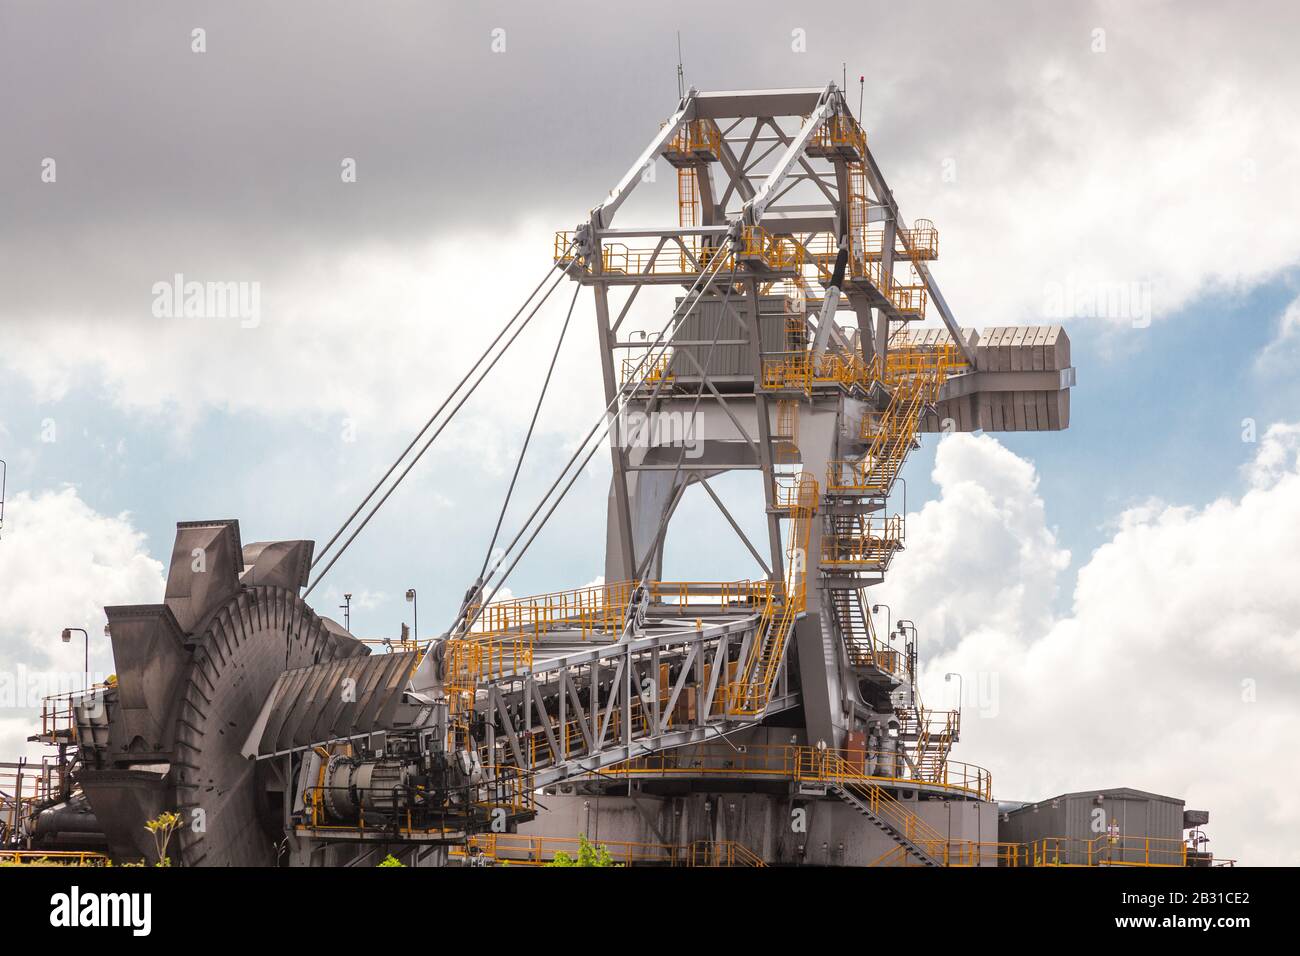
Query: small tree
162, 827
588, 855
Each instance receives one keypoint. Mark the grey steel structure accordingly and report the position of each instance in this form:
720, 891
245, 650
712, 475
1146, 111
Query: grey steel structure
1112, 827
769, 714
782, 162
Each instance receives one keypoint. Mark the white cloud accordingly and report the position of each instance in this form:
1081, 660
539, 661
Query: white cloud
1134, 171
359, 340
988, 532
1279, 356
1177, 669
61, 562
1273, 460
1102, 171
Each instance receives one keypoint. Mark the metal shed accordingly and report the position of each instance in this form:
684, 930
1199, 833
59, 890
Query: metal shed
1114, 827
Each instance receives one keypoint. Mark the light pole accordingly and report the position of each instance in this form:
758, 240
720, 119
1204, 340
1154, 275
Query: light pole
347, 612
947, 678
903, 626
875, 609
903, 482
67, 639
415, 610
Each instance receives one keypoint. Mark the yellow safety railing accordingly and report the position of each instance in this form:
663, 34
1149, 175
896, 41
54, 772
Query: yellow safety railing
868, 650
829, 766
473, 660
1108, 850
756, 246
933, 363
563, 249
794, 762
53, 858
775, 252
519, 849
958, 853
749, 694
57, 717
719, 853
922, 240
536, 850
669, 259
648, 373
24, 790
389, 644
890, 435
840, 132
919, 243
802, 370
502, 638
875, 654
699, 139
869, 547
907, 298
602, 608
935, 732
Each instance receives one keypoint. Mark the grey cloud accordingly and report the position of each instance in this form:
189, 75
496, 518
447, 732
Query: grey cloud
249, 135
227, 164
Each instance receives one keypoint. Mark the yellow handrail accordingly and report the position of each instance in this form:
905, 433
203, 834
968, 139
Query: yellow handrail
749, 694
52, 858
793, 762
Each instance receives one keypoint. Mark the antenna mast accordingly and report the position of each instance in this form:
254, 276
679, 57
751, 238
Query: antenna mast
681, 74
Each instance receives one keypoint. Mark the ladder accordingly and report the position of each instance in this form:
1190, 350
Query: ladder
748, 696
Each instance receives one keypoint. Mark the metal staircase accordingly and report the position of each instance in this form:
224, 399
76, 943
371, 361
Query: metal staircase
863, 802
750, 694
883, 810
889, 436
861, 644
934, 733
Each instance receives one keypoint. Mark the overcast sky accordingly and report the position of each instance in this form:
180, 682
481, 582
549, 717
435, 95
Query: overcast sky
1125, 571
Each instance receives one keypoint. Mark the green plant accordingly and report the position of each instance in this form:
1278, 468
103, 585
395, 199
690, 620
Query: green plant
588, 855
162, 827
390, 860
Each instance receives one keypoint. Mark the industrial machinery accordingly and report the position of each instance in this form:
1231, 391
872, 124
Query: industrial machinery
739, 722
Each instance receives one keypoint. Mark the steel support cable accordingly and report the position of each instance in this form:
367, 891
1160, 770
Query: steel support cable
432, 438
528, 437
695, 407
450, 395
609, 419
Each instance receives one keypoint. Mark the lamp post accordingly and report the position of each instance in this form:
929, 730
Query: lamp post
415, 610
947, 678
346, 606
903, 626
903, 482
67, 639
875, 609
